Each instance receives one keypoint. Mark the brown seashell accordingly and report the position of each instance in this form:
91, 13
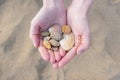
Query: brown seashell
68, 41
45, 33
47, 44
66, 29
54, 42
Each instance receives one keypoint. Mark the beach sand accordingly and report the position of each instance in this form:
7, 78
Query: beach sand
19, 60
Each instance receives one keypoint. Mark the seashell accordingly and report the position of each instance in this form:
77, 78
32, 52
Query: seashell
68, 41
47, 44
55, 32
66, 29
54, 42
47, 38
45, 33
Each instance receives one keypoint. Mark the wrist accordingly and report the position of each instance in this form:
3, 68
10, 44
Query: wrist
51, 3
82, 6
85, 4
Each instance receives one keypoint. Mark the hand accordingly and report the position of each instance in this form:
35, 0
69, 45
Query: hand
50, 13
77, 19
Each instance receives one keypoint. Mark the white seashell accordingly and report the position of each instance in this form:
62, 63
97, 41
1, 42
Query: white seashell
68, 41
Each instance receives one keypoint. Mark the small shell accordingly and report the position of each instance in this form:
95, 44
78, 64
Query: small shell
47, 38
47, 44
54, 42
66, 29
45, 33
68, 41
55, 32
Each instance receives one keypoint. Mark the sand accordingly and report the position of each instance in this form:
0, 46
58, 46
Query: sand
19, 60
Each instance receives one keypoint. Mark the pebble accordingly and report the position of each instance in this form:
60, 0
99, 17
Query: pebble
45, 33
47, 38
68, 41
54, 48
56, 28
54, 42
58, 36
47, 44
66, 29
55, 32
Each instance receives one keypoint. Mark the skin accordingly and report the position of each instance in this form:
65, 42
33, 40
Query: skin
76, 18
52, 12
77, 15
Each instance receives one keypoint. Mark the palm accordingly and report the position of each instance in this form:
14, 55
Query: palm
80, 29
49, 16
46, 16
77, 19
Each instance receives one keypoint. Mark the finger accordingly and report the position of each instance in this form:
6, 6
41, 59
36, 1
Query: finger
67, 57
78, 40
62, 52
43, 51
57, 55
34, 34
84, 44
52, 56
35, 40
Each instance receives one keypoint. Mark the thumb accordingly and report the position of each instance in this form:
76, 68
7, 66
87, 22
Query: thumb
35, 34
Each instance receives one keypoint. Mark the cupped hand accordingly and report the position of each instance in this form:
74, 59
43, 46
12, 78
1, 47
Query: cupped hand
48, 15
77, 19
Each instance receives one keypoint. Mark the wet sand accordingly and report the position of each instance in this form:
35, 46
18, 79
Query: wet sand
19, 60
